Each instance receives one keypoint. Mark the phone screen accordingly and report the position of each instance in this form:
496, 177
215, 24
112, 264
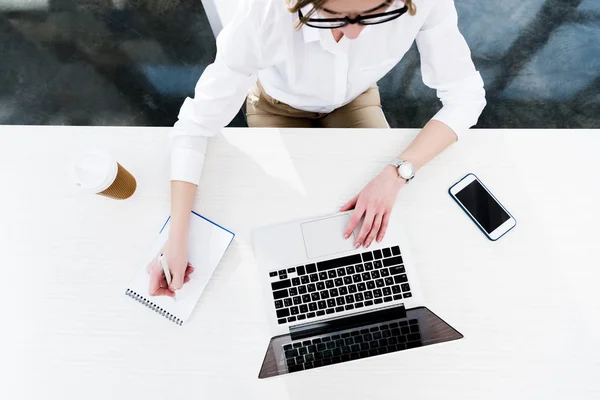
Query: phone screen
482, 206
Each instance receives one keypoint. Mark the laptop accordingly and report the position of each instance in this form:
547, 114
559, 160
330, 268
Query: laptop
329, 303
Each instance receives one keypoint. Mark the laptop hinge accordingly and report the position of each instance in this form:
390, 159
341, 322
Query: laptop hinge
347, 322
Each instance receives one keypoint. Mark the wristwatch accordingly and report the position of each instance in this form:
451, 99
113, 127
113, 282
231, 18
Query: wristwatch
405, 169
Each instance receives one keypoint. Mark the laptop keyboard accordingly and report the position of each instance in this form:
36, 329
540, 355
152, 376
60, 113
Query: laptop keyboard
352, 345
340, 284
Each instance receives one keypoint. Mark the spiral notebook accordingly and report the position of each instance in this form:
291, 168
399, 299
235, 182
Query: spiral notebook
207, 245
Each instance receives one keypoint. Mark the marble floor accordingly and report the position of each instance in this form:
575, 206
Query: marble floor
132, 62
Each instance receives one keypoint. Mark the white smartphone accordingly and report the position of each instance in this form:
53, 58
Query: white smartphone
482, 207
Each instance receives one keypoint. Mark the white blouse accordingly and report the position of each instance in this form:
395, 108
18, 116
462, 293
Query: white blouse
310, 71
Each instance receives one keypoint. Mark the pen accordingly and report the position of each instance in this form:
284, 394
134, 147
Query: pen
165, 267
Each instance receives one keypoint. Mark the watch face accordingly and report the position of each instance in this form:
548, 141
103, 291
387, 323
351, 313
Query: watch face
406, 170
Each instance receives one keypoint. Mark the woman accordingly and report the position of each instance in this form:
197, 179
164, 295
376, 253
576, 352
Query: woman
316, 63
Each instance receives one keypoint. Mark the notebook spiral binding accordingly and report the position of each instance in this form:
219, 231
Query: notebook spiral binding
153, 307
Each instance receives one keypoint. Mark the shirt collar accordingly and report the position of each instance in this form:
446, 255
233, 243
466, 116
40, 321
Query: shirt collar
310, 34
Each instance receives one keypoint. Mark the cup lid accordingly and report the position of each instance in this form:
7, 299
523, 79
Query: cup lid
95, 170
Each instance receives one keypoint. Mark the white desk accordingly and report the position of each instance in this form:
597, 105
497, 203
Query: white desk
528, 304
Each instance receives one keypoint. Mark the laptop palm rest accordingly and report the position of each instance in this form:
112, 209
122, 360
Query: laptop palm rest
325, 237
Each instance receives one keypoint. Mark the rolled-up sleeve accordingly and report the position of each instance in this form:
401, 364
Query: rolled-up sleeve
446, 66
219, 94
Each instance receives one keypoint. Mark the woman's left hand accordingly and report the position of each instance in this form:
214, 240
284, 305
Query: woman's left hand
375, 202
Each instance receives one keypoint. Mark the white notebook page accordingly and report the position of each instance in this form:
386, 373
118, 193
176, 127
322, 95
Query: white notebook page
207, 244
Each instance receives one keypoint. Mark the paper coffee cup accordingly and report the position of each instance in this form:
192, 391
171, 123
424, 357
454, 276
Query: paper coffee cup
98, 172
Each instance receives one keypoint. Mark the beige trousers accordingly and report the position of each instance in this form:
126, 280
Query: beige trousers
365, 111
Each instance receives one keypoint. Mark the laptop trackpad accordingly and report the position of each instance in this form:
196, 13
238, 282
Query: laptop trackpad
326, 236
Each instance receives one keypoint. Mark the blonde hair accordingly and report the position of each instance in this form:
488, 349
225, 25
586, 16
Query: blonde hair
299, 4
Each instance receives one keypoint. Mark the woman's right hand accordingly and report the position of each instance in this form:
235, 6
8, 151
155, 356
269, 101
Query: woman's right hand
176, 255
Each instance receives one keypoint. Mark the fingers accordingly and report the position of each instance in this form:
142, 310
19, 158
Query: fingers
177, 281
186, 279
384, 226
154, 281
374, 230
350, 205
164, 292
189, 270
366, 228
158, 284
354, 220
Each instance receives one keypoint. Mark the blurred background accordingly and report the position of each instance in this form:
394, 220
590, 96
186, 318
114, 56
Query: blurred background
133, 62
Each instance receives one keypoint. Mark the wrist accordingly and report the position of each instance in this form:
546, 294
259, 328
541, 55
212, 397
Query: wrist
178, 235
396, 179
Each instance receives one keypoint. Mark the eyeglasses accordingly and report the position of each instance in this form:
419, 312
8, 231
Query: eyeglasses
374, 19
